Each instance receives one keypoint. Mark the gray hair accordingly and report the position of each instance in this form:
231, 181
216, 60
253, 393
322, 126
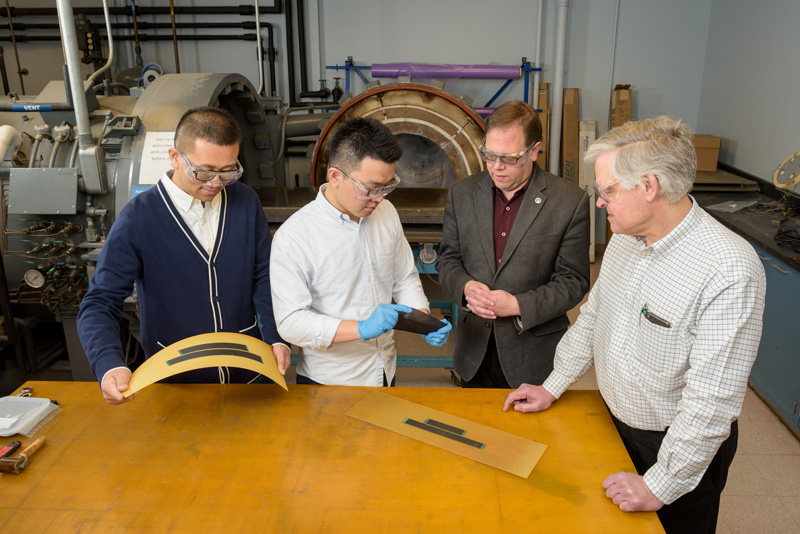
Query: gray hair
661, 146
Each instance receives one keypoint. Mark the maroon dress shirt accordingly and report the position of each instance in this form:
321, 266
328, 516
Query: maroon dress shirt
505, 213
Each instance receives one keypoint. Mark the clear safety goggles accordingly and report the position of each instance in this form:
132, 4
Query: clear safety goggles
206, 175
366, 193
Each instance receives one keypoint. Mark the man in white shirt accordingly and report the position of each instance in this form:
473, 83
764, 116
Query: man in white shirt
338, 263
672, 326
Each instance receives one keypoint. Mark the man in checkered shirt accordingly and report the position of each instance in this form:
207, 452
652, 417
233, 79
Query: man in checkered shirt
672, 325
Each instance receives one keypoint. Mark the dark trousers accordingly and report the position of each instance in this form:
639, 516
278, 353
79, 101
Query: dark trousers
697, 511
305, 380
490, 373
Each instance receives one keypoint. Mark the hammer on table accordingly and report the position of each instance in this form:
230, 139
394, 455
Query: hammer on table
18, 463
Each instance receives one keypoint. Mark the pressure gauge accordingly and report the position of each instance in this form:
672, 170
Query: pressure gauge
34, 278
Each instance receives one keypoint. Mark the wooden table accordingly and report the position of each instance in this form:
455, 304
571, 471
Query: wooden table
254, 458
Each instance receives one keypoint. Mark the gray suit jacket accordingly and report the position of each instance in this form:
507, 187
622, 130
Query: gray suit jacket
545, 265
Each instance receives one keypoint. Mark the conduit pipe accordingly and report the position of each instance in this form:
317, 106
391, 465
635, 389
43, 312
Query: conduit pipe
259, 55
301, 43
144, 25
175, 34
537, 59
91, 156
143, 37
3, 72
110, 38
558, 88
20, 70
613, 61
243, 10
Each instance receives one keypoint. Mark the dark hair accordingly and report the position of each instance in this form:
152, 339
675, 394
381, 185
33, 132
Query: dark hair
360, 138
213, 125
517, 112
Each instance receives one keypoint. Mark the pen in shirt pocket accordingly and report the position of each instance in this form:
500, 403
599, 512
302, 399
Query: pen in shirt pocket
653, 318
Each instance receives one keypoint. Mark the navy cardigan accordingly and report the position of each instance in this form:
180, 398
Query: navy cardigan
182, 291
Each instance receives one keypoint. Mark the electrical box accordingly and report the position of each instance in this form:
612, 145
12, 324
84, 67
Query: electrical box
43, 191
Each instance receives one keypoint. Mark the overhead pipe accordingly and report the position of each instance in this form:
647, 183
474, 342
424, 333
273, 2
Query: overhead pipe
537, 59
3, 72
174, 35
323, 92
137, 46
20, 70
558, 88
301, 43
91, 156
290, 52
110, 39
145, 37
244, 10
145, 25
174, 25
271, 53
260, 52
613, 61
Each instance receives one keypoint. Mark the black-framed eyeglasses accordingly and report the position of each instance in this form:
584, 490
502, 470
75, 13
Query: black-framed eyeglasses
367, 193
202, 176
512, 160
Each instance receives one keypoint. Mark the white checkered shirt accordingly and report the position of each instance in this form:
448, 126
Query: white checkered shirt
691, 378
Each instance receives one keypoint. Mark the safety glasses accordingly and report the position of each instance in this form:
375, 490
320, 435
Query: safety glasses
201, 176
366, 193
512, 160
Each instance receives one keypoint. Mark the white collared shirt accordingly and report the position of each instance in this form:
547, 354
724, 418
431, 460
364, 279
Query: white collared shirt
708, 284
326, 268
203, 221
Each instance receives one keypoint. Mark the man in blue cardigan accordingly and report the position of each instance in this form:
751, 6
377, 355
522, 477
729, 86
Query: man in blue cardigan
196, 246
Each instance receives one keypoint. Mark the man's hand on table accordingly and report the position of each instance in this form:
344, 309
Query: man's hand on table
115, 383
630, 493
528, 398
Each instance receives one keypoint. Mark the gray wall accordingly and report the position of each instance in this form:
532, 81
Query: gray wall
751, 84
725, 66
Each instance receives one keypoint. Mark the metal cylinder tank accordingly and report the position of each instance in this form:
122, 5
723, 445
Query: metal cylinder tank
439, 132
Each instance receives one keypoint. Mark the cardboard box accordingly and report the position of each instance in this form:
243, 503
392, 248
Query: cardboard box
543, 101
569, 136
588, 132
707, 149
544, 118
620, 105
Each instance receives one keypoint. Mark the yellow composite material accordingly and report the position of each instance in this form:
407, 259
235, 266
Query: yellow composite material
158, 366
499, 449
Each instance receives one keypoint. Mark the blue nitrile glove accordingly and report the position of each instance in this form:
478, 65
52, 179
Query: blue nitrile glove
383, 319
439, 338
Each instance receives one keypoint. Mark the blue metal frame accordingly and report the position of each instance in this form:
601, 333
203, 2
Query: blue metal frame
526, 70
349, 66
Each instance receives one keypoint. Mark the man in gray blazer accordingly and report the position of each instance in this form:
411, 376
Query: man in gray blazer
514, 256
